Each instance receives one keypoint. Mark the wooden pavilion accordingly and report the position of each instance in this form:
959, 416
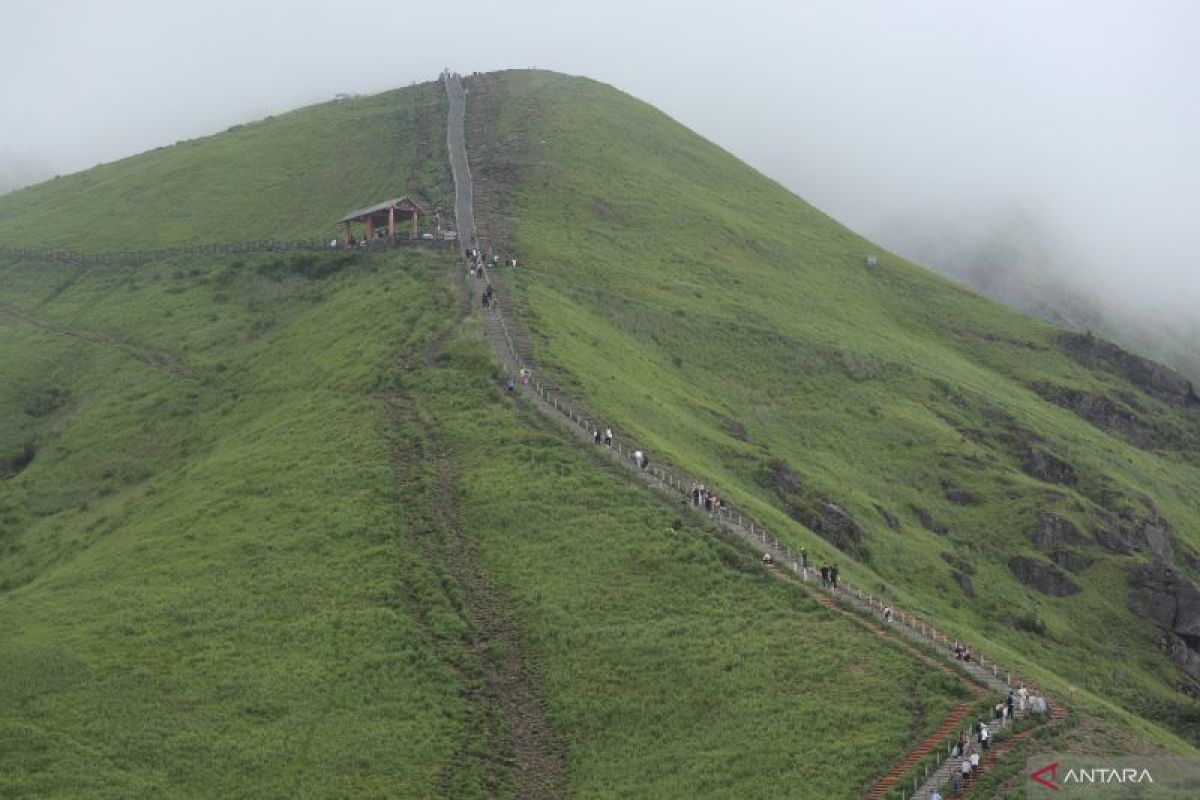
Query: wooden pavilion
385, 216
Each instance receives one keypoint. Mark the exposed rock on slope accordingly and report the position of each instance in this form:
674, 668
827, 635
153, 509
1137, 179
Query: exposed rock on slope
1149, 376
1042, 577
1053, 531
1169, 599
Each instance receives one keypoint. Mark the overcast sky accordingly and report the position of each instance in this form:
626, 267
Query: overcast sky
896, 116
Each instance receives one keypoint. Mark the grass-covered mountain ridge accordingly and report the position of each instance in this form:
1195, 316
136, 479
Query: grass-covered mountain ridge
283, 457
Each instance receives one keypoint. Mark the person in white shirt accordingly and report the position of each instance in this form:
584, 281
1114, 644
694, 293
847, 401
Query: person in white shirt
974, 761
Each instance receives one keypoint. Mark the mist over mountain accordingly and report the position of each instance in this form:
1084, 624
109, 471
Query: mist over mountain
1024, 260
17, 171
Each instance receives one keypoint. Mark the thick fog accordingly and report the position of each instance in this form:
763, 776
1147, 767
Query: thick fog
934, 127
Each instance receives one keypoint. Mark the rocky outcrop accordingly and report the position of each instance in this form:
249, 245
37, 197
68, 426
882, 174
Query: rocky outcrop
959, 563
1045, 466
1127, 535
820, 515
1052, 532
14, 466
962, 572
890, 519
928, 522
1042, 577
1070, 560
781, 478
1103, 412
735, 429
957, 495
1168, 598
1149, 376
833, 524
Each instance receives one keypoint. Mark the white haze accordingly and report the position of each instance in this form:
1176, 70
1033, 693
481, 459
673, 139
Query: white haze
925, 125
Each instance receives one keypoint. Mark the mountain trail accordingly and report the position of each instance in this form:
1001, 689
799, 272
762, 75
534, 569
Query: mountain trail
158, 359
907, 631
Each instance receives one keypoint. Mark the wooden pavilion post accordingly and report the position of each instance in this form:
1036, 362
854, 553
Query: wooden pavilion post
392, 222
415, 230
370, 227
346, 235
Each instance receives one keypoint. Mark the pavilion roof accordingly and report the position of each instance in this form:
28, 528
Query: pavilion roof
405, 203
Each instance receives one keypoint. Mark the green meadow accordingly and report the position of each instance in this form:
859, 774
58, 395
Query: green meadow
225, 569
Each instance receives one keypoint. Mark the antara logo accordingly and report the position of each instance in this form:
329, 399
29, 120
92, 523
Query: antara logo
1040, 776
1048, 776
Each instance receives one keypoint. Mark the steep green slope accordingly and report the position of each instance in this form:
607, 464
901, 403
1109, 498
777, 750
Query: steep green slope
200, 562
234, 564
1034, 490
672, 665
286, 177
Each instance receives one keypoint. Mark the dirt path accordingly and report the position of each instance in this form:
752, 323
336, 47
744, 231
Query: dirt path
511, 710
512, 686
158, 359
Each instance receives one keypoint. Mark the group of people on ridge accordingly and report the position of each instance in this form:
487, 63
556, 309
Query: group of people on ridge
702, 497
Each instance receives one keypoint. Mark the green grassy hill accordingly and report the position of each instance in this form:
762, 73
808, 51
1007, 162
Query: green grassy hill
270, 528
286, 177
1036, 491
